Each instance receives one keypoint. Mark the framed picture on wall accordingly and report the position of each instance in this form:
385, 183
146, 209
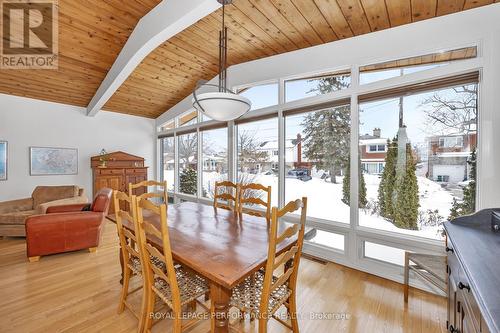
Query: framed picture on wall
4, 154
53, 161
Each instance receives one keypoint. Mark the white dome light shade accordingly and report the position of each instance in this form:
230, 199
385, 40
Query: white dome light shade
222, 106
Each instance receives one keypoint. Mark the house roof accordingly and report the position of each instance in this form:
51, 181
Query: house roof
374, 141
273, 144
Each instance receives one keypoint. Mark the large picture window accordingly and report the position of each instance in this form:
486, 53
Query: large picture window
188, 163
429, 164
316, 161
215, 168
256, 143
414, 138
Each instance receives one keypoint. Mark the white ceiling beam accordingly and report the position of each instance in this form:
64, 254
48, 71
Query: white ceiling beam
163, 22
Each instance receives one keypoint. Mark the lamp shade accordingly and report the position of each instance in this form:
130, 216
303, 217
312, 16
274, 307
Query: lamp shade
222, 106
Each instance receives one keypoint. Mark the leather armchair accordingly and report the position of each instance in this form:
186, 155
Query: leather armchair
67, 228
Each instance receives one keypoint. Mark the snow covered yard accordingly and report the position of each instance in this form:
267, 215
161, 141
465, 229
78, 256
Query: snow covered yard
431, 197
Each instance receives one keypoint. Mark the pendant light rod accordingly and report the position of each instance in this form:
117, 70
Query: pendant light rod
223, 49
223, 105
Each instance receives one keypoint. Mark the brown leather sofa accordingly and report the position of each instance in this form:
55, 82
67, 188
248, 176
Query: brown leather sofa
67, 228
13, 213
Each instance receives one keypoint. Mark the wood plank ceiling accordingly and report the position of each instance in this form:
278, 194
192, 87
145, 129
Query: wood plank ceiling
92, 32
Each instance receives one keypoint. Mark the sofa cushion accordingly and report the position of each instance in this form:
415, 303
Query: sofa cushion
16, 217
43, 194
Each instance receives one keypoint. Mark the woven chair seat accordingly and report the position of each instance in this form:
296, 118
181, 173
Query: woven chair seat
135, 264
191, 287
247, 295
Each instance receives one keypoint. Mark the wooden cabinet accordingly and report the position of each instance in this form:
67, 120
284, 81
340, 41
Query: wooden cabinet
116, 170
473, 274
452, 304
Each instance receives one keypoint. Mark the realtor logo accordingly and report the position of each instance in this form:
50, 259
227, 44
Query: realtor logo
29, 34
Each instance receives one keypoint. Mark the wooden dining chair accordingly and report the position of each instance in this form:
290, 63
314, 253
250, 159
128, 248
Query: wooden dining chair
263, 293
129, 247
249, 194
229, 196
174, 286
162, 193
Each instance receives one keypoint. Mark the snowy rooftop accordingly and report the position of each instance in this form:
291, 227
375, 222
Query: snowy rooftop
274, 144
376, 141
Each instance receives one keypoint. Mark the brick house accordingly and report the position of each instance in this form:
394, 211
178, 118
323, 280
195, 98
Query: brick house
373, 150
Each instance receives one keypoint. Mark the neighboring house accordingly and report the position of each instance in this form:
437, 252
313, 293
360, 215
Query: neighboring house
373, 150
271, 149
448, 156
215, 162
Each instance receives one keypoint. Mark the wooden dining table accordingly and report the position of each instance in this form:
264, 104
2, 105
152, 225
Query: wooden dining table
217, 245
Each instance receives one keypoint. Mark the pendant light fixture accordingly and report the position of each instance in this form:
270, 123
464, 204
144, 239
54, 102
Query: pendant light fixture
223, 105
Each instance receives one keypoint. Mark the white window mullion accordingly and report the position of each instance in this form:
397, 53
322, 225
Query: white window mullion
352, 246
176, 167
199, 165
281, 145
232, 154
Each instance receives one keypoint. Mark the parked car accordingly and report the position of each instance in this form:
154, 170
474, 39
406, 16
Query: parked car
302, 174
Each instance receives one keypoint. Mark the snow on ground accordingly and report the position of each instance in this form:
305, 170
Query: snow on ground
325, 199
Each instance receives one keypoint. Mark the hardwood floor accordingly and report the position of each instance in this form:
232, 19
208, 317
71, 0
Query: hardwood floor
78, 292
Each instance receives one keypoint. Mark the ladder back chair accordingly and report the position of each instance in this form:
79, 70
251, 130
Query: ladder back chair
263, 293
229, 197
174, 286
129, 248
249, 195
162, 193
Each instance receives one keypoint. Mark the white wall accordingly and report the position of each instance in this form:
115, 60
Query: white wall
478, 26
27, 122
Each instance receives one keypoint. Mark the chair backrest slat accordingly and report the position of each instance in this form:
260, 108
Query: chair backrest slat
150, 229
285, 257
129, 234
161, 193
282, 279
289, 232
254, 201
249, 194
288, 261
229, 198
133, 251
153, 251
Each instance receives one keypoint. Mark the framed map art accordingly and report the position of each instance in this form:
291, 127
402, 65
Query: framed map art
53, 161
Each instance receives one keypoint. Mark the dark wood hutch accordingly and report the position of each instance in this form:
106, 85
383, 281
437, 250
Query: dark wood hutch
116, 170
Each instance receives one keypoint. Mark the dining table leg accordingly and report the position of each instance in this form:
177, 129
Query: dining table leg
220, 298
